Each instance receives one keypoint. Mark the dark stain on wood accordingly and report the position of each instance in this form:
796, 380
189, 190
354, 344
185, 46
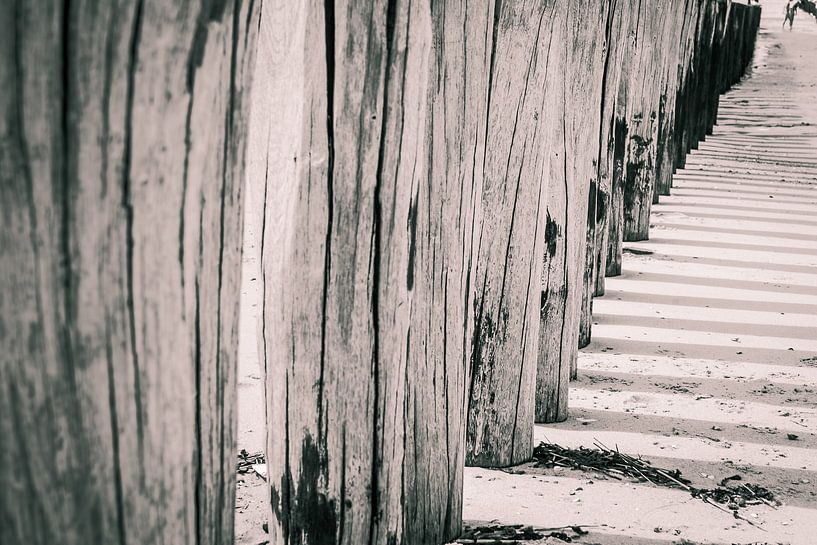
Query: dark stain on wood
309, 517
552, 232
412, 249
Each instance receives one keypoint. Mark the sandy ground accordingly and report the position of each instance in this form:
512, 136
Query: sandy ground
701, 348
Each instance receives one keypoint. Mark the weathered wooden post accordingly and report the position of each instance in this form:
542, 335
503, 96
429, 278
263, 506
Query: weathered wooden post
121, 153
612, 137
687, 82
511, 235
688, 108
678, 28
574, 105
676, 145
643, 109
669, 64
619, 138
375, 143
703, 98
616, 37
736, 40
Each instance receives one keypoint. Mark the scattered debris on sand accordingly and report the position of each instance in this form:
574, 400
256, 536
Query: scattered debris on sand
246, 461
811, 361
496, 534
730, 495
609, 462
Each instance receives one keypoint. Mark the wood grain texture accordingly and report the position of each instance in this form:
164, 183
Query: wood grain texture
614, 130
574, 105
121, 157
606, 241
677, 30
671, 106
616, 37
642, 113
373, 145
619, 138
701, 107
510, 239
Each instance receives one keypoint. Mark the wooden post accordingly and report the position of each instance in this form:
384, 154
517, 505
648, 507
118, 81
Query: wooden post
574, 102
121, 153
586, 310
613, 139
674, 151
597, 229
510, 239
374, 142
694, 109
619, 138
670, 85
643, 110
703, 98
682, 112
715, 85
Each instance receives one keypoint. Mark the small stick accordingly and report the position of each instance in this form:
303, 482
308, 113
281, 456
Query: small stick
645, 477
734, 513
767, 502
679, 483
568, 527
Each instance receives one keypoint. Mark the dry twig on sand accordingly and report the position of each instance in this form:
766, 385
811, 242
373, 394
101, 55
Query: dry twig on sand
615, 464
610, 462
247, 460
496, 534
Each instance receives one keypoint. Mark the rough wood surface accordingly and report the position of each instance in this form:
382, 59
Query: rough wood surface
609, 235
598, 213
702, 101
373, 147
692, 110
121, 160
510, 240
643, 108
574, 110
619, 136
677, 45
614, 129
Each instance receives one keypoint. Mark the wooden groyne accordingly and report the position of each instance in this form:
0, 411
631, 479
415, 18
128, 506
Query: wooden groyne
444, 188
